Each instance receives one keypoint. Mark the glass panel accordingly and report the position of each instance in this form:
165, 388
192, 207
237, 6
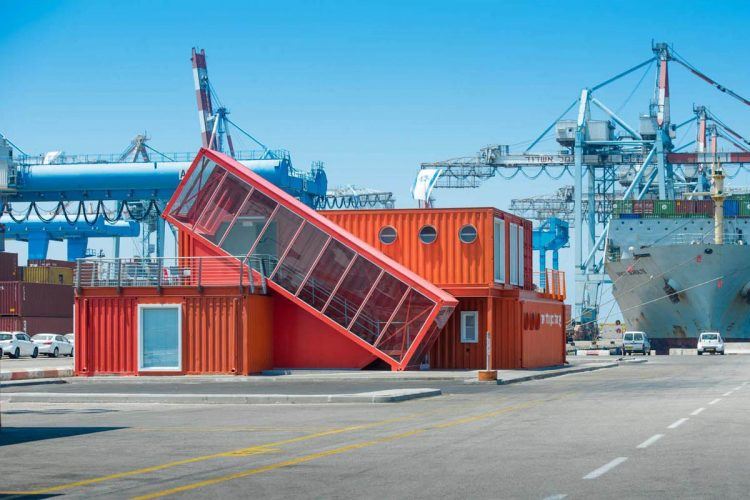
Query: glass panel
197, 192
274, 240
226, 203
406, 324
160, 337
379, 308
352, 292
520, 256
424, 347
300, 258
499, 254
250, 222
513, 255
327, 273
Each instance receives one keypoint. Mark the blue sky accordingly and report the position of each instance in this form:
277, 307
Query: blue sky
370, 88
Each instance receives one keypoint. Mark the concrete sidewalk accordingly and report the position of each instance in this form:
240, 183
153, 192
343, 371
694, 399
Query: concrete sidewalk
385, 396
296, 387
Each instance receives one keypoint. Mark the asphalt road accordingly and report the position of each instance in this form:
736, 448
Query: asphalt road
672, 427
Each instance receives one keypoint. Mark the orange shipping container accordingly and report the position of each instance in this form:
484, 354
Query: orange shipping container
222, 331
455, 249
528, 331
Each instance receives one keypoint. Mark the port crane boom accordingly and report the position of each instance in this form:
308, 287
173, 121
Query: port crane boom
605, 155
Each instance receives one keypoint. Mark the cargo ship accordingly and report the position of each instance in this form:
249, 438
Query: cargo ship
681, 267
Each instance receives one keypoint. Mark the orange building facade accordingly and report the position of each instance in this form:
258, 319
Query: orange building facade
262, 281
483, 257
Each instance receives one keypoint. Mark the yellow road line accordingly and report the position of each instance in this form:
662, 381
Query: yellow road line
252, 450
335, 451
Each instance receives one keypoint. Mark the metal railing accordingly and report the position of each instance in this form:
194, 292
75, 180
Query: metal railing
551, 282
174, 272
153, 157
708, 238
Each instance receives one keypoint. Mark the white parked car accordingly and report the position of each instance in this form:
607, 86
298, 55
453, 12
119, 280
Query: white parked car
71, 338
17, 344
53, 344
710, 342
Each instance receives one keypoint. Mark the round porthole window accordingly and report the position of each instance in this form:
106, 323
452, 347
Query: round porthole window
387, 235
427, 234
467, 234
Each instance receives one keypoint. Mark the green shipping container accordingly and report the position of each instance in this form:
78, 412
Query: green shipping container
664, 209
622, 207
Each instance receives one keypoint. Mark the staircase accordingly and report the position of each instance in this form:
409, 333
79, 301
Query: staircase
358, 291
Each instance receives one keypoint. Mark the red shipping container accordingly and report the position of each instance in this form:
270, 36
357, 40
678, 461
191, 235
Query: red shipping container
684, 206
643, 207
35, 299
704, 207
33, 325
8, 266
51, 263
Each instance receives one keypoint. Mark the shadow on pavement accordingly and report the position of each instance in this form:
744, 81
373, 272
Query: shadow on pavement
17, 435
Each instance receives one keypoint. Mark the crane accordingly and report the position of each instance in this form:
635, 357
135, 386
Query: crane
353, 197
598, 153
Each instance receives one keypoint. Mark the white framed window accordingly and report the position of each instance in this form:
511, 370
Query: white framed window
499, 250
513, 254
469, 327
160, 337
520, 256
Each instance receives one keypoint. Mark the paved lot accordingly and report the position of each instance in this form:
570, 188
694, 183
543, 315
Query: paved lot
40, 362
671, 427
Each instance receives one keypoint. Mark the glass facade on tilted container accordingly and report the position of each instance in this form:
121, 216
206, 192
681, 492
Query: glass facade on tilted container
318, 265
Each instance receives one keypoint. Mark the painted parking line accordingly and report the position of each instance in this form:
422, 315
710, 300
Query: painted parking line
698, 411
728, 393
737, 388
605, 468
558, 496
715, 401
650, 441
678, 423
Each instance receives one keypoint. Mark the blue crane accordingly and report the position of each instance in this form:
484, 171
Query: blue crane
551, 235
137, 189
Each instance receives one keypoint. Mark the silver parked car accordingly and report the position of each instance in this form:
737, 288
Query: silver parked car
17, 344
53, 344
636, 342
710, 342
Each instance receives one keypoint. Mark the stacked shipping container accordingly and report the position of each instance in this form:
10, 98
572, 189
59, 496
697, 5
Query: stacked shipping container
735, 206
35, 299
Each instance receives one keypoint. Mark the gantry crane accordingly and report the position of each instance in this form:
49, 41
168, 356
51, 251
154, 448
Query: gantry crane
604, 156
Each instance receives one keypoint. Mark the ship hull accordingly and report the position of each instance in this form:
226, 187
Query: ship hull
674, 292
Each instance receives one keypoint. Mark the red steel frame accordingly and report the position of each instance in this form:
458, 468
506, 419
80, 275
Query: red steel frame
440, 298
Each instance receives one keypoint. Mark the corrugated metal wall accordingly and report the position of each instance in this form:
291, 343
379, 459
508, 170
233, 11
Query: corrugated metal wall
449, 351
520, 338
218, 333
446, 261
210, 334
106, 335
543, 333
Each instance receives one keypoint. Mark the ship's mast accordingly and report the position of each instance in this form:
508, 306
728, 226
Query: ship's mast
717, 194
